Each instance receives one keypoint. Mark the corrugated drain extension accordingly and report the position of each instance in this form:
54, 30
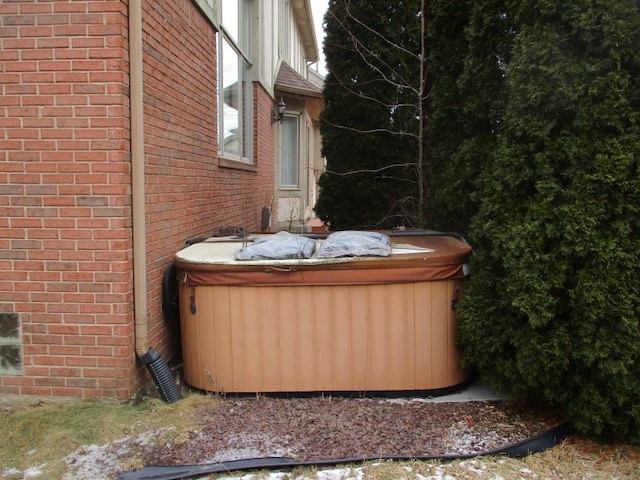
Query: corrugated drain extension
535, 444
161, 374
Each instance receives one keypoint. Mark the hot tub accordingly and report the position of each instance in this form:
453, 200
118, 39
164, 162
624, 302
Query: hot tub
364, 324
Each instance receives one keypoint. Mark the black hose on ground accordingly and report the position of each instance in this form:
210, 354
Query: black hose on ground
535, 444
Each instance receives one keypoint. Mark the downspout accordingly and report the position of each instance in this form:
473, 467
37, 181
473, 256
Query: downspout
137, 176
157, 367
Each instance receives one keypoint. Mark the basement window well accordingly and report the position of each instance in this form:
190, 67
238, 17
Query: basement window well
10, 344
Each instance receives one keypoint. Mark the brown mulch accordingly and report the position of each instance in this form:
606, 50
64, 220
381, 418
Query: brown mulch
325, 428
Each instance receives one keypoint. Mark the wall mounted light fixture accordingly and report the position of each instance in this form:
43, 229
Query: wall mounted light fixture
278, 111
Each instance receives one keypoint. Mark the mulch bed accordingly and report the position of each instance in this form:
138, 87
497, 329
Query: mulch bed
326, 428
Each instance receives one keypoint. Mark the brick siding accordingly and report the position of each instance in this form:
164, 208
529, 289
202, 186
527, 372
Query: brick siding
65, 232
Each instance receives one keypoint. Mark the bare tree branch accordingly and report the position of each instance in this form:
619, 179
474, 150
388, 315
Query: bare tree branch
373, 130
347, 3
359, 48
413, 92
373, 170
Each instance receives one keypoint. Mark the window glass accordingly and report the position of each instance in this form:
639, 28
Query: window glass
235, 101
289, 177
10, 344
230, 101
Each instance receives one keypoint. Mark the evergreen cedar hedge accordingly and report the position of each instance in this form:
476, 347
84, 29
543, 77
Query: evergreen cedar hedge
553, 308
533, 140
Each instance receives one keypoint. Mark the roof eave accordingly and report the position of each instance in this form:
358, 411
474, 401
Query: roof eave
304, 20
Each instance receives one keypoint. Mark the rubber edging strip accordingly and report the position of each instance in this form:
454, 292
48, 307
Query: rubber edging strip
528, 446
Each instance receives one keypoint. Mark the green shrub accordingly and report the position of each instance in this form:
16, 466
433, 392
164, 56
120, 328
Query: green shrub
553, 309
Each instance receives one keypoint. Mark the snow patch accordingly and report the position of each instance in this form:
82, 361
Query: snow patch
98, 462
474, 466
31, 472
464, 438
253, 446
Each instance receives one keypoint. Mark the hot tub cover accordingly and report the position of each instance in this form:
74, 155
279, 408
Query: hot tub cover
351, 243
413, 258
280, 246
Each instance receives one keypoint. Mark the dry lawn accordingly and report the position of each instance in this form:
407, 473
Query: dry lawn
577, 458
40, 435
36, 438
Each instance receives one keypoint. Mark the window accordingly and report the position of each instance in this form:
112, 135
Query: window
235, 100
10, 344
289, 152
284, 24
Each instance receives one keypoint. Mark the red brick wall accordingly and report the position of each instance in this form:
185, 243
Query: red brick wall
191, 192
65, 231
65, 247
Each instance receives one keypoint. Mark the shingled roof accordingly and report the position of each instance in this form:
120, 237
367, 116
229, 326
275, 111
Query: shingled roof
290, 81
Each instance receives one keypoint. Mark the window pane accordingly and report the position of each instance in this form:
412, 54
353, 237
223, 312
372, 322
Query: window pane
10, 359
231, 98
289, 152
235, 98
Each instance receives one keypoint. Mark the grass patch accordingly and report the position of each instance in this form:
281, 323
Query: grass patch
42, 435
569, 460
577, 457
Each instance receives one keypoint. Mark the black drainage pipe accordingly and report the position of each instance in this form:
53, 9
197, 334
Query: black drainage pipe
161, 375
535, 444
